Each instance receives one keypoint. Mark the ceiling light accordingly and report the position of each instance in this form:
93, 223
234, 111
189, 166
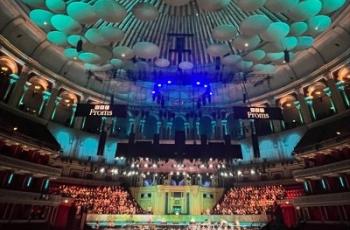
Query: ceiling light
123, 54
169, 82
318, 92
37, 87
159, 85
15, 128
252, 172
67, 100
338, 133
4, 68
246, 44
239, 172
198, 83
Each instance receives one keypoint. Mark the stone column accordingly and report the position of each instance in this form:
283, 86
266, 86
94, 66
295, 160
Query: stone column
303, 108
159, 125
224, 127
169, 125
131, 126
17, 91
310, 105
213, 129
13, 79
45, 98
197, 133
187, 130
24, 91
53, 113
74, 109
341, 88
52, 103
80, 121
328, 92
335, 95
142, 127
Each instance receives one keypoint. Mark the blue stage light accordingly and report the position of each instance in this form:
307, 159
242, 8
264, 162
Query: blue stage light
169, 82
153, 92
159, 85
211, 93
198, 82
205, 86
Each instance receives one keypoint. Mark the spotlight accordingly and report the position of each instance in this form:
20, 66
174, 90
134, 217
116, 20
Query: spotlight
169, 82
211, 93
153, 92
205, 86
159, 85
239, 173
198, 83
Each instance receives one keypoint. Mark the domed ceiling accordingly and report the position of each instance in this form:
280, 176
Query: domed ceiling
183, 43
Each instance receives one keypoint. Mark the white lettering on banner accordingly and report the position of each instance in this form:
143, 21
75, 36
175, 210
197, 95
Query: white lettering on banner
101, 110
257, 113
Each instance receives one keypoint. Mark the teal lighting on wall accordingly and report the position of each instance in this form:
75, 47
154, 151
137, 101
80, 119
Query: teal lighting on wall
88, 148
9, 180
65, 139
306, 186
342, 183
29, 181
46, 184
324, 185
110, 150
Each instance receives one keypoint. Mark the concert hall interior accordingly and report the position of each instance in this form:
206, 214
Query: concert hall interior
175, 114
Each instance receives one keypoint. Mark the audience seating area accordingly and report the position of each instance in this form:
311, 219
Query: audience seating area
19, 152
249, 200
99, 200
323, 159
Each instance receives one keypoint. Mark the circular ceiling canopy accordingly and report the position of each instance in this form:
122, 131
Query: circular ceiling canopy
145, 11
224, 32
82, 12
110, 10
220, 38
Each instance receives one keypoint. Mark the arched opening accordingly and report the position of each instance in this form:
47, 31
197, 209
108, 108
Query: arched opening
320, 104
291, 112
35, 97
178, 125
150, 127
343, 84
7, 68
64, 110
234, 128
205, 126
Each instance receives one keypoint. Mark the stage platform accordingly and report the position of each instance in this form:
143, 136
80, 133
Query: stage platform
122, 220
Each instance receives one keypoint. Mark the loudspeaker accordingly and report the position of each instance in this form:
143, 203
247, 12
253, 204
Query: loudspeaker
255, 143
131, 138
204, 139
101, 143
80, 46
156, 139
180, 138
227, 139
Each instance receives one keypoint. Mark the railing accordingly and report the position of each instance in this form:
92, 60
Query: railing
332, 168
18, 197
22, 165
332, 199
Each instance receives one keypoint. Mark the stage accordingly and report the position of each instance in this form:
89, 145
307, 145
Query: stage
162, 220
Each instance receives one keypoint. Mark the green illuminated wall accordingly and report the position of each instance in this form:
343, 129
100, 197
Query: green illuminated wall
160, 199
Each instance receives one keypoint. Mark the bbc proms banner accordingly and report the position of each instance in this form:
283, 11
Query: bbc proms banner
101, 110
257, 113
